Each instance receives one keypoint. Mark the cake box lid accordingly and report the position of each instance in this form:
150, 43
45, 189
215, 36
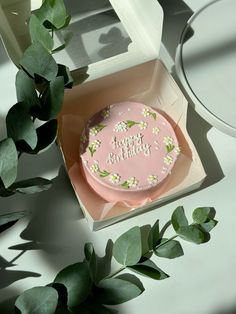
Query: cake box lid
141, 20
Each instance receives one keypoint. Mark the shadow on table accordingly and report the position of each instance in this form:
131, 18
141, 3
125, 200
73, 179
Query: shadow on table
7, 306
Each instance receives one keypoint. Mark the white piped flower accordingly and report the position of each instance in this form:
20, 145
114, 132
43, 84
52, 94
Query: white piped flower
155, 130
93, 131
168, 160
152, 179
94, 168
96, 144
114, 178
145, 112
121, 127
177, 150
105, 113
168, 140
132, 182
142, 125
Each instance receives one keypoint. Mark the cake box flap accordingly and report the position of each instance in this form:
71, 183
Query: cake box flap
143, 20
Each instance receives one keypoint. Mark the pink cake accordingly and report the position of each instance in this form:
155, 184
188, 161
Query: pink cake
127, 151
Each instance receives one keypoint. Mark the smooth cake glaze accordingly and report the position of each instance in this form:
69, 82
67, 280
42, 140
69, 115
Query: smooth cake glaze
127, 150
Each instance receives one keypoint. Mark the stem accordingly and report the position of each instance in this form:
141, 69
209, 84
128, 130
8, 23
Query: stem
18, 256
168, 240
116, 272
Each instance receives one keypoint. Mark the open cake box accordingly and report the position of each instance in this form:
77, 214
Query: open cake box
134, 74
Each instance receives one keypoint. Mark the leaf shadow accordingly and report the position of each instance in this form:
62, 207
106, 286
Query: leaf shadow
10, 276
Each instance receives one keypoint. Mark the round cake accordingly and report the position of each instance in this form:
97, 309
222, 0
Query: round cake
128, 149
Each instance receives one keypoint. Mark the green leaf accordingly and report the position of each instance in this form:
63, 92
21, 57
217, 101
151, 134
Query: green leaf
65, 72
192, 233
104, 173
115, 291
3, 191
201, 214
149, 269
131, 123
52, 99
25, 90
39, 33
20, 127
154, 235
170, 249
38, 300
53, 12
91, 259
37, 60
30, 186
209, 225
178, 218
76, 279
8, 162
47, 134
127, 248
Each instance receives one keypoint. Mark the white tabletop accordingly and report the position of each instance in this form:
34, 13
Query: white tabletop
201, 282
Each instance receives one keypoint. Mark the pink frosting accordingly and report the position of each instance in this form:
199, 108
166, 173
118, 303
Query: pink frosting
127, 151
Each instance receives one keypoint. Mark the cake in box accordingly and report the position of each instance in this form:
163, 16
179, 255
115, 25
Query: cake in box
128, 150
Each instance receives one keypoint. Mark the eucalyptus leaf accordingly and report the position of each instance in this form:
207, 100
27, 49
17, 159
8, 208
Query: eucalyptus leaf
169, 249
76, 279
20, 127
65, 72
39, 33
53, 12
201, 214
38, 300
52, 99
91, 259
4, 192
154, 235
115, 291
8, 162
127, 248
37, 60
209, 225
30, 186
192, 233
25, 90
149, 269
178, 218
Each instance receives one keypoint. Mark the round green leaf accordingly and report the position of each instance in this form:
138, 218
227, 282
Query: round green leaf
201, 214
192, 233
37, 60
39, 33
38, 300
116, 291
77, 281
25, 90
20, 127
149, 269
52, 99
170, 249
209, 225
127, 249
178, 218
154, 235
8, 162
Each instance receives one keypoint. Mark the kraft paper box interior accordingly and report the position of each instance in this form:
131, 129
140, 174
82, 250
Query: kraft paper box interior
148, 83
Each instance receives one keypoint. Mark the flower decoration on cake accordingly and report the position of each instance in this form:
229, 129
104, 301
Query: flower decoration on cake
142, 125
177, 150
114, 178
168, 160
169, 143
130, 183
152, 179
155, 130
83, 139
94, 168
105, 113
147, 113
121, 127
96, 129
93, 147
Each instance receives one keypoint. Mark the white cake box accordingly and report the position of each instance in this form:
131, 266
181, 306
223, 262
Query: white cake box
135, 74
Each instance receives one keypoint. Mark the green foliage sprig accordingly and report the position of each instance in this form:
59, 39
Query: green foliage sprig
40, 84
91, 287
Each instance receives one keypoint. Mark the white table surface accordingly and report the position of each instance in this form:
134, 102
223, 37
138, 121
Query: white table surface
201, 282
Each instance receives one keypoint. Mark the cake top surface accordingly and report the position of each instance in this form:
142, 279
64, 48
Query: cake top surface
128, 146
